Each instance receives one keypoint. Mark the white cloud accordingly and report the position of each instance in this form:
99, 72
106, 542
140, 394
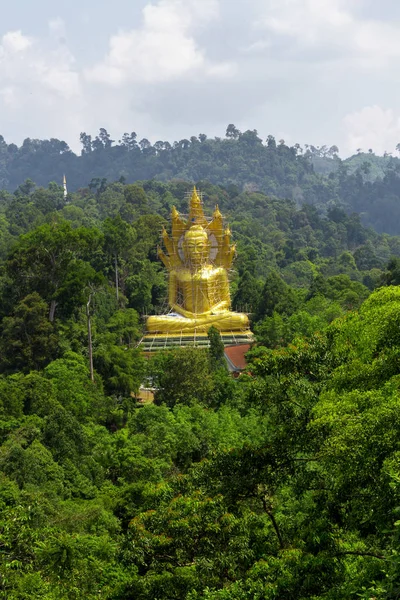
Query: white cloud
43, 92
164, 49
377, 43
7, 94
57, 29
26, 65
329, 28
307, 20
40, 88
14, 42
372, 127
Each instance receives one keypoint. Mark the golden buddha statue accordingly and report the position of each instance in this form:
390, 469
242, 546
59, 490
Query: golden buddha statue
198, 257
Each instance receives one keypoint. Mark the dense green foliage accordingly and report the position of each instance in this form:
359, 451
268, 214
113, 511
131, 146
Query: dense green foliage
281, 484
241, 161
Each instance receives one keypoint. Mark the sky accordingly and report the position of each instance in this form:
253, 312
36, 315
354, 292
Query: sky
321, 72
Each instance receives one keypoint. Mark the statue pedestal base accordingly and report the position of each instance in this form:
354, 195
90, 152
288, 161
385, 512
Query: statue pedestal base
153, 342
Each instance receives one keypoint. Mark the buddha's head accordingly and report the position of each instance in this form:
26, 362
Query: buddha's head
196, 246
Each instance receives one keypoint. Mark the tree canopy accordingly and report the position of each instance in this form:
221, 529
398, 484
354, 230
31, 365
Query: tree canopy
282, 483
315, 175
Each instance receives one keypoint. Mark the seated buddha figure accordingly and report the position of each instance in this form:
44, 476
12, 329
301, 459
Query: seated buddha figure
199, 256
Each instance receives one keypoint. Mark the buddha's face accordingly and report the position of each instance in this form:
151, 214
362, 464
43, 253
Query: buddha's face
196, 246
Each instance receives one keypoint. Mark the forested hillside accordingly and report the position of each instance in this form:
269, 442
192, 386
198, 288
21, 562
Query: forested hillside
365, 183
281, 484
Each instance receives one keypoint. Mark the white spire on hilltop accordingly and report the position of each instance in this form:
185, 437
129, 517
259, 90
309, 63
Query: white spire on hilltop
65, 187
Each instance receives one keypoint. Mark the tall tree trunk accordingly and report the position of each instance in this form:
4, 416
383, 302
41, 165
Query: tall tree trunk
89, 326
116, 278
52, 312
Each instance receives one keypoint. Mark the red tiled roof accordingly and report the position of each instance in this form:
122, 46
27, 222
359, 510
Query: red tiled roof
235, 355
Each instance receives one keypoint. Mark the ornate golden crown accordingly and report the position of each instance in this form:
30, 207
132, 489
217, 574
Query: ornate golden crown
221, 251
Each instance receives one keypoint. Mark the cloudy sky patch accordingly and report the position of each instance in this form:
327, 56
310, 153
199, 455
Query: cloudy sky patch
315, 71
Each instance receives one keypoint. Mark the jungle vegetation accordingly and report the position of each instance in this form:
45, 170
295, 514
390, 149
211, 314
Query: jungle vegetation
281, 484
364, 183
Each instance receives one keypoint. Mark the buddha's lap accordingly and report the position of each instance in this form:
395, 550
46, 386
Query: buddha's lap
224, 321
